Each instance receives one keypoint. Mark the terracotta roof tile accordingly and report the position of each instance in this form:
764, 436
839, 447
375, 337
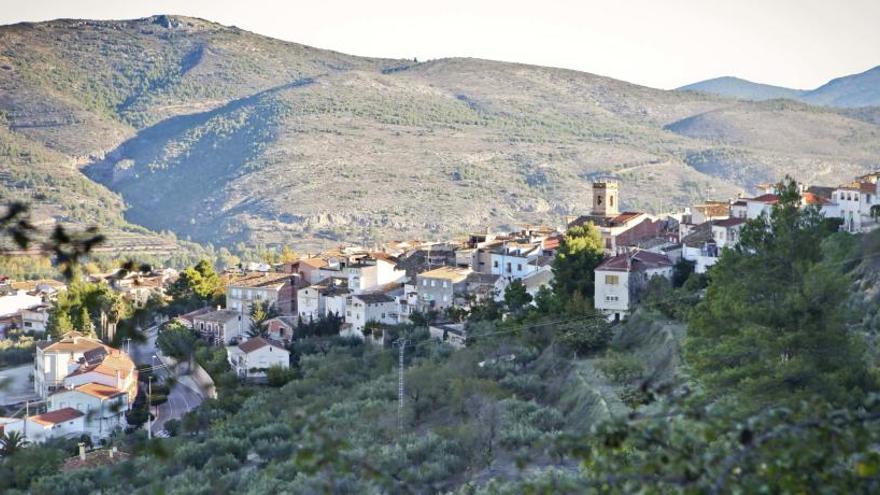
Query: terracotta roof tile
253, 344
57, 416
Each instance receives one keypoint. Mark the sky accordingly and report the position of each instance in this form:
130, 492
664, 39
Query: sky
659, 43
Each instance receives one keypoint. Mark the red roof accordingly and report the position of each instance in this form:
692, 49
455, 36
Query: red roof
766, 198
628, 262
251, 345
57, 416
814, 199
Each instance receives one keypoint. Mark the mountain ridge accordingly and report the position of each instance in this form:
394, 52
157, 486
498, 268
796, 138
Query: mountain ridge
225, 136
851, 91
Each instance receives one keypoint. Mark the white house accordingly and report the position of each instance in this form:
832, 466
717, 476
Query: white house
760, 205
115, 369
437, 288
364, 308
55, 360
222, 326
34, 320
513, 261
103, 406
60, 423
253, 357
326, 297
12, 305
621, 279
726, 233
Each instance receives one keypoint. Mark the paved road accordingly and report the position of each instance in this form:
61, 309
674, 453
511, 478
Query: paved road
16, 385
181, 399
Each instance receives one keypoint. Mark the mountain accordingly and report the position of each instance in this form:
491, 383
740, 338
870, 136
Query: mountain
857, 90
224, 136
735, 87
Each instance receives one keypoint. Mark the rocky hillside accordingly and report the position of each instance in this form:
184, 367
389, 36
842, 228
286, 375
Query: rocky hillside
222, 135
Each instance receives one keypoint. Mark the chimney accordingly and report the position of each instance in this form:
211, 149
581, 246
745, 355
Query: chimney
82, 451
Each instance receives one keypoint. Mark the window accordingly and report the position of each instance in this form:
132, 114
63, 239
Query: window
445, 298
611, 201
508, 268
495, 264
611, 280
444, 283
519, 267
432, 283
424, 282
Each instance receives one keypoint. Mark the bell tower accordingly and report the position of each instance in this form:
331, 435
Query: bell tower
605, 199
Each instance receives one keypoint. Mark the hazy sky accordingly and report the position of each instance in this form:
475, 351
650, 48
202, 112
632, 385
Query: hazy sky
660, 43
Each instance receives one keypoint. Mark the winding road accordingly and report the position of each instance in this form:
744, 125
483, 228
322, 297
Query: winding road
181, 399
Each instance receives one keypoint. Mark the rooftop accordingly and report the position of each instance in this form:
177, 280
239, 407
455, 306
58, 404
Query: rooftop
376, 298
629, 262
219, 316
766, 198
447, 273
255, 343
261, 279
73, 342
730, 222
57, 416
99, 390
619, 220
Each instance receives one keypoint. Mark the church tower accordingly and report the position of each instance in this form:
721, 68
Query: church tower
605, 200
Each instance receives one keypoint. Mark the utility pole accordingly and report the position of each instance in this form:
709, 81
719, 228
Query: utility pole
401, 389
149, 407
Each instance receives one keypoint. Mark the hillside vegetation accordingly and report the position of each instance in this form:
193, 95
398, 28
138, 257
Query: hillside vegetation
220, 135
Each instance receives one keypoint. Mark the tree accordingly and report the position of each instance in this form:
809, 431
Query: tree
261, 311
85, 323
585, 337
772, 326
200, 283
580, 253
11, 442
288, 255
516, 297
178, 342
59, 323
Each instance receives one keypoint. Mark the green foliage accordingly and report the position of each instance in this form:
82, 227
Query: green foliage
16, 349
771, 328
516, 298
177, 341
585, 337
198, 284
580, 253
261, 311
277, 376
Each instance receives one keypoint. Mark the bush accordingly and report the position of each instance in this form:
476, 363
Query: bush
585, 337
621, 368
277, 376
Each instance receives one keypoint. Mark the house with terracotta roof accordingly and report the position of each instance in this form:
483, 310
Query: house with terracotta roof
115, 369
726, 233
277, 289
54, 360
60, 423
620, 280
253, 357
760, 205
612, 223
104, 407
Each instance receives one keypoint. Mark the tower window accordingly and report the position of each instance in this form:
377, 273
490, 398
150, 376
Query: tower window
610, 200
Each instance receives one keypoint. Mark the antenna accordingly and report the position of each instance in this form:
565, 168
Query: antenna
401, 389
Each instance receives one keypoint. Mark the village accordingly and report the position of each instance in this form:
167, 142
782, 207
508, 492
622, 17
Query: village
85, 387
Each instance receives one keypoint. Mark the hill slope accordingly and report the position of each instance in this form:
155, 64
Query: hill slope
224, 136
